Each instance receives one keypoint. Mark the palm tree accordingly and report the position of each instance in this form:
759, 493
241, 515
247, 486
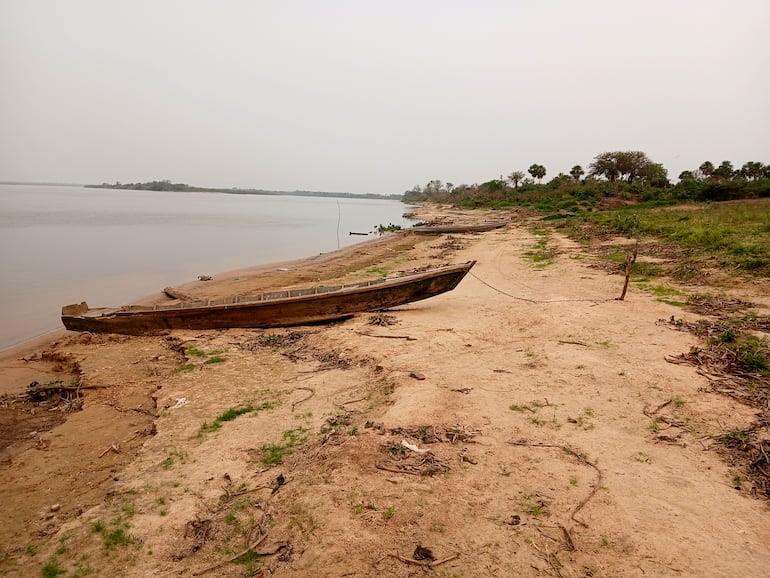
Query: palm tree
576, 172
707, 169
516, 177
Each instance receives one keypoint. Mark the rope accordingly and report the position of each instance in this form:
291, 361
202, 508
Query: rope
535, 300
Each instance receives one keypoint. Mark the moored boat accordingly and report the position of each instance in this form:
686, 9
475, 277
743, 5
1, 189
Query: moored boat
274, 309
459, 228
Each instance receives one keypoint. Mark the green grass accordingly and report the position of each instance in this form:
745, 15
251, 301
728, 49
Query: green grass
275, 453
172, 457
114, 534
753, 355
231, 414
540, 254
207, 357
517, 407
51, 569
272, 339
532, 507
378, 271
730, 235
194, 352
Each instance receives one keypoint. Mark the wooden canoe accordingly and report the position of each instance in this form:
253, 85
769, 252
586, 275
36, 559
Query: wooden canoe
276, 309
470, 228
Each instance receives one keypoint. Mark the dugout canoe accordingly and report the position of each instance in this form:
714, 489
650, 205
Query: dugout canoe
275, 309
445, 229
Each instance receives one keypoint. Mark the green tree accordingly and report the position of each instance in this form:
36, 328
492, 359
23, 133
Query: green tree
706, 169
686, 176
515, 178
724, 171
655, 174
626, 165
537, 172
752, 170
576, 172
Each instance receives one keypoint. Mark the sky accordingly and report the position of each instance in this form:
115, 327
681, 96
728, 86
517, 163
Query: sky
369, 96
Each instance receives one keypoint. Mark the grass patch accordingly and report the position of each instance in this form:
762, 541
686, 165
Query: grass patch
727, 235
172, 457
271, 340
194, 352
51, 569
114, 534
517, 407
540, 254
533, 507
231, 414
382, 272
207, 357
275, 453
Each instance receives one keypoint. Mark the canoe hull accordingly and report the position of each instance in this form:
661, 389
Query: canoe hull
290, 310
448, 229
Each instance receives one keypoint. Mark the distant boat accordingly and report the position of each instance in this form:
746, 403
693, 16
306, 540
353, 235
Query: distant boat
469, 228
275, 309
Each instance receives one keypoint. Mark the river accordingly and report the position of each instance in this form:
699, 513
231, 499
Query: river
63, 244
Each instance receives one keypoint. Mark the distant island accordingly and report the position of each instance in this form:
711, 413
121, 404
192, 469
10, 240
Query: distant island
182, 187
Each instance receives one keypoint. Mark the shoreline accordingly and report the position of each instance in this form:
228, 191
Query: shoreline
257, 276
160, 239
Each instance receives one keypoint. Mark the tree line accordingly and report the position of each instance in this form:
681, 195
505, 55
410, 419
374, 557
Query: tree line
625, 174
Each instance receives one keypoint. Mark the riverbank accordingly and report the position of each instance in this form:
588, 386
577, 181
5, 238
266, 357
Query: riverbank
533, 389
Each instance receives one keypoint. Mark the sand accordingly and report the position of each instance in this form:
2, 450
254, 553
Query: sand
509, 426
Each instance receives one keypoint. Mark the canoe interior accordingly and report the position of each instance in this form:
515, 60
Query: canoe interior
271, 309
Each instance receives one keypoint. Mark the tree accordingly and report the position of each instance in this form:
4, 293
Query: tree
515, 178
686, 176
537, 171
620, 164
752, 170
707, 169
576, 172
655, 174
724, 171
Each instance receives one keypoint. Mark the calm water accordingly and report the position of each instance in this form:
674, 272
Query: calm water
61, 245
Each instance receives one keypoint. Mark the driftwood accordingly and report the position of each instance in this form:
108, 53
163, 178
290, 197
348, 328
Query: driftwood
114, 447
406, 337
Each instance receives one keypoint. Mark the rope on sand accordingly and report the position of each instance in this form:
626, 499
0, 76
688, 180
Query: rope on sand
535, 300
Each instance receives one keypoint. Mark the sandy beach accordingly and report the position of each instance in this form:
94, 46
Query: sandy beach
525, 424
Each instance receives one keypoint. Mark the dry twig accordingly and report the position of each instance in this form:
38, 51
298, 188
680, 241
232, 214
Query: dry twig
582, 460
238, 555
304, 399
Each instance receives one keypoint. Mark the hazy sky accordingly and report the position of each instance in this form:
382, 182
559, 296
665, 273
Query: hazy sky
374, 96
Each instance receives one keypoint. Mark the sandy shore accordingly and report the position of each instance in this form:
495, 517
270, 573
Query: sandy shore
511, 427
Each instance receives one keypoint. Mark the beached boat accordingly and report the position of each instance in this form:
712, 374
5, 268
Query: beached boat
275, 309
469, 228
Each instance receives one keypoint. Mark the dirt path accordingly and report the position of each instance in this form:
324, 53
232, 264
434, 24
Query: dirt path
539, 397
